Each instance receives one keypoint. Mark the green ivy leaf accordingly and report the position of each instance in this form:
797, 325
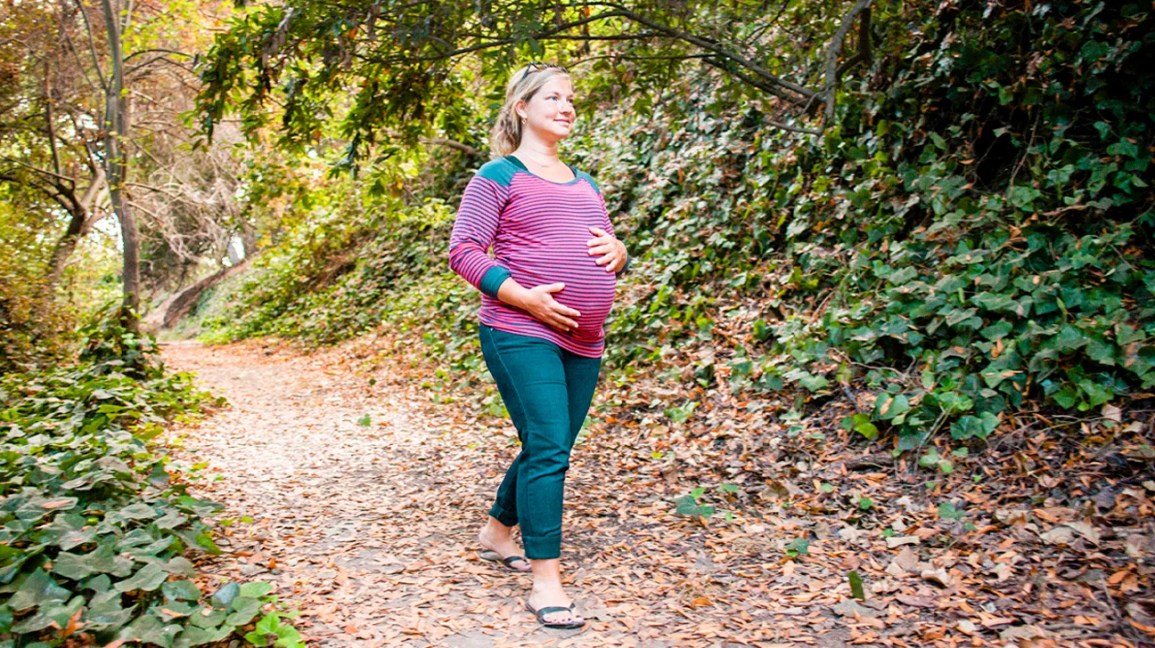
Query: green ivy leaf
201, 636
861, 424
681, 413
54, 614
243, 610
1101, 352
947, 511
146, 579
148, 629
1068, 339
5, 619
182, 590
686, 505
38, 588
224, 596
1067, 397
974, 426
994, 376
138, 511
1126, 334
1023, 197
798, 547
171, 520
953, 402
997, 330
890, 407
102, 560
812, 382
256, 589
856, 589
269, 628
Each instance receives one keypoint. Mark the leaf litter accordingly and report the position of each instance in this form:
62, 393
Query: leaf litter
355, 487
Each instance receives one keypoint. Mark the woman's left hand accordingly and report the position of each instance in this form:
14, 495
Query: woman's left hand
610, 251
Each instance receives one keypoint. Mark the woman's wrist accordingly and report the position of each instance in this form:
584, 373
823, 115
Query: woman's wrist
512, 293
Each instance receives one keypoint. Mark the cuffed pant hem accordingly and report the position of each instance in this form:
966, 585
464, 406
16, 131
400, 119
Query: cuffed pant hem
503, 516
542, 548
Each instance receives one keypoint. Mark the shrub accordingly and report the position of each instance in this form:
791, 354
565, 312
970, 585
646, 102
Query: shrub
94, 531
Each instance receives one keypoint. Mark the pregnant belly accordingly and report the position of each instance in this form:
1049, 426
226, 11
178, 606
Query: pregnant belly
589, 289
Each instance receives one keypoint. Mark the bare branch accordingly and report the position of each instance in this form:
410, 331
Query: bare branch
608, 37
543, 35
711, 46
166, 192
92, 46
758, 83
131, 70
34, 169
832, 56
764, 27
865, 53
794, 129
50, 117
75, 53
154, 51
128, 16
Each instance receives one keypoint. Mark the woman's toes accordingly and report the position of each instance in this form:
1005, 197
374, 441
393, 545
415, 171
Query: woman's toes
562, 617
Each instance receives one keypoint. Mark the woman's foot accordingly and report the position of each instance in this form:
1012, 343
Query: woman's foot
497, 541
554, 609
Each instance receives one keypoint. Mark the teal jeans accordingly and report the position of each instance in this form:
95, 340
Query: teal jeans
547, 391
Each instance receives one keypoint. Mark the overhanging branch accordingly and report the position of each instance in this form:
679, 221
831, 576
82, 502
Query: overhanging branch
767, 79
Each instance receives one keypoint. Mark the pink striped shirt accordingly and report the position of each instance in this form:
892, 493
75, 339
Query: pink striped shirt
538, 231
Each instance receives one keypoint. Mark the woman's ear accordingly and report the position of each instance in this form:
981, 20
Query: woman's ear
519, 109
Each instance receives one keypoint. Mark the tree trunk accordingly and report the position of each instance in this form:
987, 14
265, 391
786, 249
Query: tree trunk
65, 247
116, 129
183, 304
79, 223
77, 215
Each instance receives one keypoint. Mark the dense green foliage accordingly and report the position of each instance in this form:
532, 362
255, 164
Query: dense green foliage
381, 76
94, 531
1002, 251
970, 238
33, 326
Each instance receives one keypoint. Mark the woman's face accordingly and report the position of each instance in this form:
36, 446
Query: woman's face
550, 113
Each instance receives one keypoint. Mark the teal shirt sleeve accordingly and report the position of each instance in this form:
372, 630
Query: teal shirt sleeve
492, 279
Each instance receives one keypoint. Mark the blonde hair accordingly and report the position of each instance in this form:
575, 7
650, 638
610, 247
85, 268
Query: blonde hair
505, 136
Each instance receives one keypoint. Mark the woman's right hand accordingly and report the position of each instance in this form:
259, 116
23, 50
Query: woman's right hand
539, 302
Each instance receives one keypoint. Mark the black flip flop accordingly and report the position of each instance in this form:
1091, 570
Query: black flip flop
563, 625
490, 555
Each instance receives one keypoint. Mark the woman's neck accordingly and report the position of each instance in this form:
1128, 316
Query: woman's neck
541, 153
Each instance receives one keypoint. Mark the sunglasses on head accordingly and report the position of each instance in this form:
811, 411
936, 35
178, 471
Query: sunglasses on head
537, 66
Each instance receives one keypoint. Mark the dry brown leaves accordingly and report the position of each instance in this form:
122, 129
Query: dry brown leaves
369, 529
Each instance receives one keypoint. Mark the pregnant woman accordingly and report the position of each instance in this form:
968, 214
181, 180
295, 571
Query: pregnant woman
546, 293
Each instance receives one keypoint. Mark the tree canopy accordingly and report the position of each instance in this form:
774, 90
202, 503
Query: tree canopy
400, 70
